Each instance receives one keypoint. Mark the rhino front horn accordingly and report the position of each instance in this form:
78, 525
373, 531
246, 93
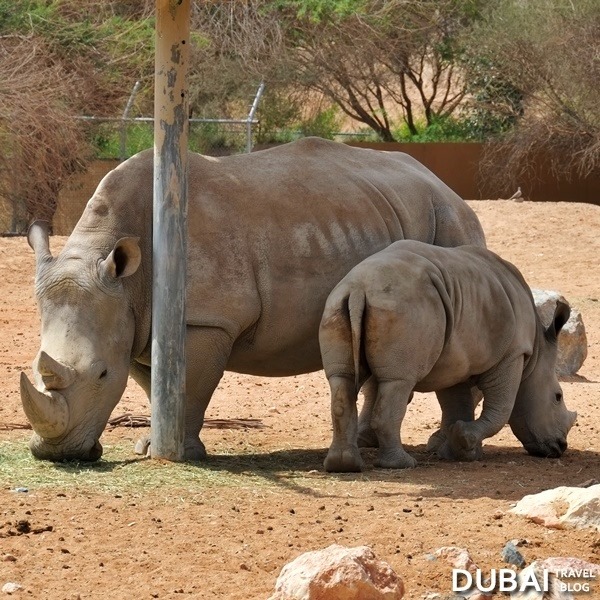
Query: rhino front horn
48, 413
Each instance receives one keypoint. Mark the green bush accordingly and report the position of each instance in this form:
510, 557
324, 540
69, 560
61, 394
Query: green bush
324, 124
446, 129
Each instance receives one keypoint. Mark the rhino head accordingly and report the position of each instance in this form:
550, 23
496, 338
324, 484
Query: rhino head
540, 419
87, 333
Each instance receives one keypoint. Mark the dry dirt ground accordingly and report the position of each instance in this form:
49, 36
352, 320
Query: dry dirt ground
265, 498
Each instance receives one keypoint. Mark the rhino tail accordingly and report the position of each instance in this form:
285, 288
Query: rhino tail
356, 310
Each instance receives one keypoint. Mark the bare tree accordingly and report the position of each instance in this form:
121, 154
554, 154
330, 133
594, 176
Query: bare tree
374, 62
394, 55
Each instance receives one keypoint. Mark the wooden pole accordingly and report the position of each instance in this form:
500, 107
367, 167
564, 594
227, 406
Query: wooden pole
169, 242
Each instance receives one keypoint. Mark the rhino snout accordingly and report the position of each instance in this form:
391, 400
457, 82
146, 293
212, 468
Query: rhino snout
549, 449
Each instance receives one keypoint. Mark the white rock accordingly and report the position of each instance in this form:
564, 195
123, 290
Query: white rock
563, 507
338, 573
572, 341
11, 588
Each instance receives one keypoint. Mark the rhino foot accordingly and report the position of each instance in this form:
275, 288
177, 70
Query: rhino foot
395, 458
194, 450
461, 444
367, 438
142, 446
436, 440
343, 460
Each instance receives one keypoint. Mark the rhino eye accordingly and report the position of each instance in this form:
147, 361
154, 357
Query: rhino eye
559, 398
103, 374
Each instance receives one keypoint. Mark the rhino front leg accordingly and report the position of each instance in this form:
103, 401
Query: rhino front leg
207, 353
458, 403
499, 386
388, 413
343, 455
142, 375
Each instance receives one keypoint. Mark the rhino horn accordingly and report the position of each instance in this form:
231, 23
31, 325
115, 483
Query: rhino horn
48, 413
55, 375
38, 238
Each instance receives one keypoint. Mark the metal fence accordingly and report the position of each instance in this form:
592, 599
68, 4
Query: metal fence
121, 137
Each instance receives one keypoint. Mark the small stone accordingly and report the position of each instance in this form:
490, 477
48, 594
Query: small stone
23, 526
9, 558
560, 565
563, 507
535, 572
21, 490
459, 558
512, 556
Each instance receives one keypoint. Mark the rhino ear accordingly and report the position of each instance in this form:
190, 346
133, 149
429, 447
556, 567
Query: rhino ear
562, 312
124, 258
37, 237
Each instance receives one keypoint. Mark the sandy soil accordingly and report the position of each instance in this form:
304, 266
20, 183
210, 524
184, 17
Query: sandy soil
231, 541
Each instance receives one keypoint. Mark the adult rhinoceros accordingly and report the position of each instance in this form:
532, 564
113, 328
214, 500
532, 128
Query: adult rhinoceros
269, 236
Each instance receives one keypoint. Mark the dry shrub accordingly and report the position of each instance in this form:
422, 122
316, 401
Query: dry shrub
548, 51
43, 144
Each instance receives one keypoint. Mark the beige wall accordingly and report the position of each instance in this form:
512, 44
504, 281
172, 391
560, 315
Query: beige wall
457, 164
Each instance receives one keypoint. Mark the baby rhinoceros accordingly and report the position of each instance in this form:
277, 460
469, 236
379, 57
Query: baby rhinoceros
416, 317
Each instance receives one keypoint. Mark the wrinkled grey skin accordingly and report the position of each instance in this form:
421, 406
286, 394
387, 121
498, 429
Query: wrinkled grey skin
416, 317
269, 235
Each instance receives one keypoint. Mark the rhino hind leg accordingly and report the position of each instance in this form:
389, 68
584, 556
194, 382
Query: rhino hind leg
343, 455
388, 412
367, 438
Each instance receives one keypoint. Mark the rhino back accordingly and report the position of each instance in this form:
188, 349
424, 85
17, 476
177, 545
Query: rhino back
297, 221
484, 312
270, 233
491, 312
